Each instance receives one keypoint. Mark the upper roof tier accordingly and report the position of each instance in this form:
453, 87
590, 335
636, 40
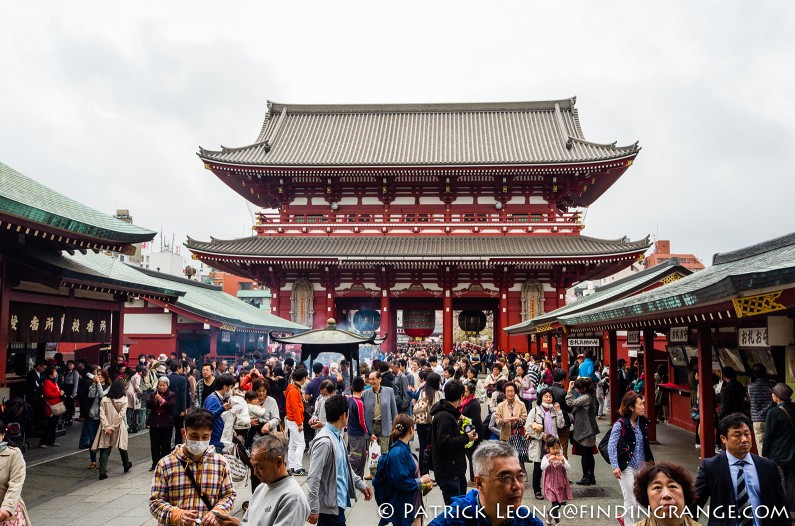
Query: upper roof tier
32, 205
460, 134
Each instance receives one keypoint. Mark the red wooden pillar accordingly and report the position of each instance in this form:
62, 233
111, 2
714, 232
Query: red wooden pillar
564, 352
706, 396
213, 343
447, 322
503, 312
615, 396
5, 318
648, 385
550, 346
386, 313
117, 334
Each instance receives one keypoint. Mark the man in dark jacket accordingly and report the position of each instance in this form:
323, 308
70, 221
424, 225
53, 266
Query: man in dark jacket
732, 394
759, 392
448, 443
733, 481
621, 377
559, 396
178, 385
779, 441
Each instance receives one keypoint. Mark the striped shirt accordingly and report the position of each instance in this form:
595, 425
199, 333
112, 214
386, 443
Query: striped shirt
172, 489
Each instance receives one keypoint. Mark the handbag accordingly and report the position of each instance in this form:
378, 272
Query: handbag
57, 409
238, 471
280, 434
520, 444
17, 517
375, 454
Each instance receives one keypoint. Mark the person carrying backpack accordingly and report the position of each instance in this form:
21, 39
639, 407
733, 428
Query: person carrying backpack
397, 480
628, 448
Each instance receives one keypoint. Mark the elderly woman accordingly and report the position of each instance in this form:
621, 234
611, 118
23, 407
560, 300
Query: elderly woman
511, 413
12, 477
666, 490
112, 428
161, 420
493, 377
584, 406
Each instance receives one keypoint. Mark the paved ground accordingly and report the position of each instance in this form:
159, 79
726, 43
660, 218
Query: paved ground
60, 490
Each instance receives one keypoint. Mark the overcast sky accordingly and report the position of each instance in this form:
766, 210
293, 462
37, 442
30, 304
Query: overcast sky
108, 102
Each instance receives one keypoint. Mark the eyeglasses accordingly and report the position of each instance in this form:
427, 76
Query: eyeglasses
521, 478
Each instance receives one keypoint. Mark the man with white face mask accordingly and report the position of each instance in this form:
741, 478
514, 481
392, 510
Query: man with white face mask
192, 482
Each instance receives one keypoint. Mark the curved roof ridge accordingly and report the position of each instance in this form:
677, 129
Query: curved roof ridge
754, 250
429, 107
671, 262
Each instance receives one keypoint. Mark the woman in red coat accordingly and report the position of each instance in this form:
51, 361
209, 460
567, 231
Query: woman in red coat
52, 395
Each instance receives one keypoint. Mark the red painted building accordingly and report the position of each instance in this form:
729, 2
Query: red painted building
420, 207
662, 253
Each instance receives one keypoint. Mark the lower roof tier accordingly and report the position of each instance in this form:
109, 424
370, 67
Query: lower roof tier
398, 248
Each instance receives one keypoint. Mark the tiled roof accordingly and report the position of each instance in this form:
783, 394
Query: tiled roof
22, 197
766, 265
401, 247
610, 292
211, 302
327, 336
92, 270
520, 133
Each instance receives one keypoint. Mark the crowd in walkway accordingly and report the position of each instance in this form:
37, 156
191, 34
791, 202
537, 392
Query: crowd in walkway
477, 427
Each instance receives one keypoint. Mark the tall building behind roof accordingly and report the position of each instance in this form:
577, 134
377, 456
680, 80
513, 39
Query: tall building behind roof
662, 253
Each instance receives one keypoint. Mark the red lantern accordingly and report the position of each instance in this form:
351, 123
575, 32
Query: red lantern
419, 323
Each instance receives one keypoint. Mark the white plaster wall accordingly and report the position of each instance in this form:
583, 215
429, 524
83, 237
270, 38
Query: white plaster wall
147, 323
431, 201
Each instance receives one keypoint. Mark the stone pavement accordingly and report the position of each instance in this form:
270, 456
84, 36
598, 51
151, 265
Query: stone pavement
60, 490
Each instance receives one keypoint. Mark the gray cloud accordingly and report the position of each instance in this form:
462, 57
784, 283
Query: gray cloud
109, 103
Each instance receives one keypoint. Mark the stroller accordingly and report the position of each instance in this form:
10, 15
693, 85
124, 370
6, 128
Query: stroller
16, 413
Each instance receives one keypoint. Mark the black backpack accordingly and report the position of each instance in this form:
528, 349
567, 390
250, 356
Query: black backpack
622, 447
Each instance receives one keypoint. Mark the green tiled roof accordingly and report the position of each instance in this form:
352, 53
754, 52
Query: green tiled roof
22, 197
92, 270
604, 294
208, 301
770, 264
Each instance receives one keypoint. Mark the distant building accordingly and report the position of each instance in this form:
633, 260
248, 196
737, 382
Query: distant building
662, 253
242, 288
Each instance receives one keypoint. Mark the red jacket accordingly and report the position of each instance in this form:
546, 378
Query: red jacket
295, 404
52, 394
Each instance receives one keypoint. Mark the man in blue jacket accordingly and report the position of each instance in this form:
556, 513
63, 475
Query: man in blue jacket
497, 497
216, 404
587, 367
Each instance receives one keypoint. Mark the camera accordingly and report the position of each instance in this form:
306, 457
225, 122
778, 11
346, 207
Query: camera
469, 428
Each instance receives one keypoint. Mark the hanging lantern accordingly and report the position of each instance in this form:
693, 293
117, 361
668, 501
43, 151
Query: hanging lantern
367, 320
472, 322
419, 324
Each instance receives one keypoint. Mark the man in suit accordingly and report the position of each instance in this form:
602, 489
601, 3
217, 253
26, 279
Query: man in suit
178, 385
733, 481
380, 409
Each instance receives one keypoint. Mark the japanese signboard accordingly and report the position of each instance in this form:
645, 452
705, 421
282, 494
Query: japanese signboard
34, 323
86, 326
679, 335
752, 337
633, 339
584, 342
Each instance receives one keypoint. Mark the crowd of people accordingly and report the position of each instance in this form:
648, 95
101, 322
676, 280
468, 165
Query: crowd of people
487, 424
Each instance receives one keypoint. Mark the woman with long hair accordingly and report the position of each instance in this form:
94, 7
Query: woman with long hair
627, 456
480, 391
161, 420
402, 480
112, 428
100, 384
585, 427
430, 395
52, 396
12, 477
